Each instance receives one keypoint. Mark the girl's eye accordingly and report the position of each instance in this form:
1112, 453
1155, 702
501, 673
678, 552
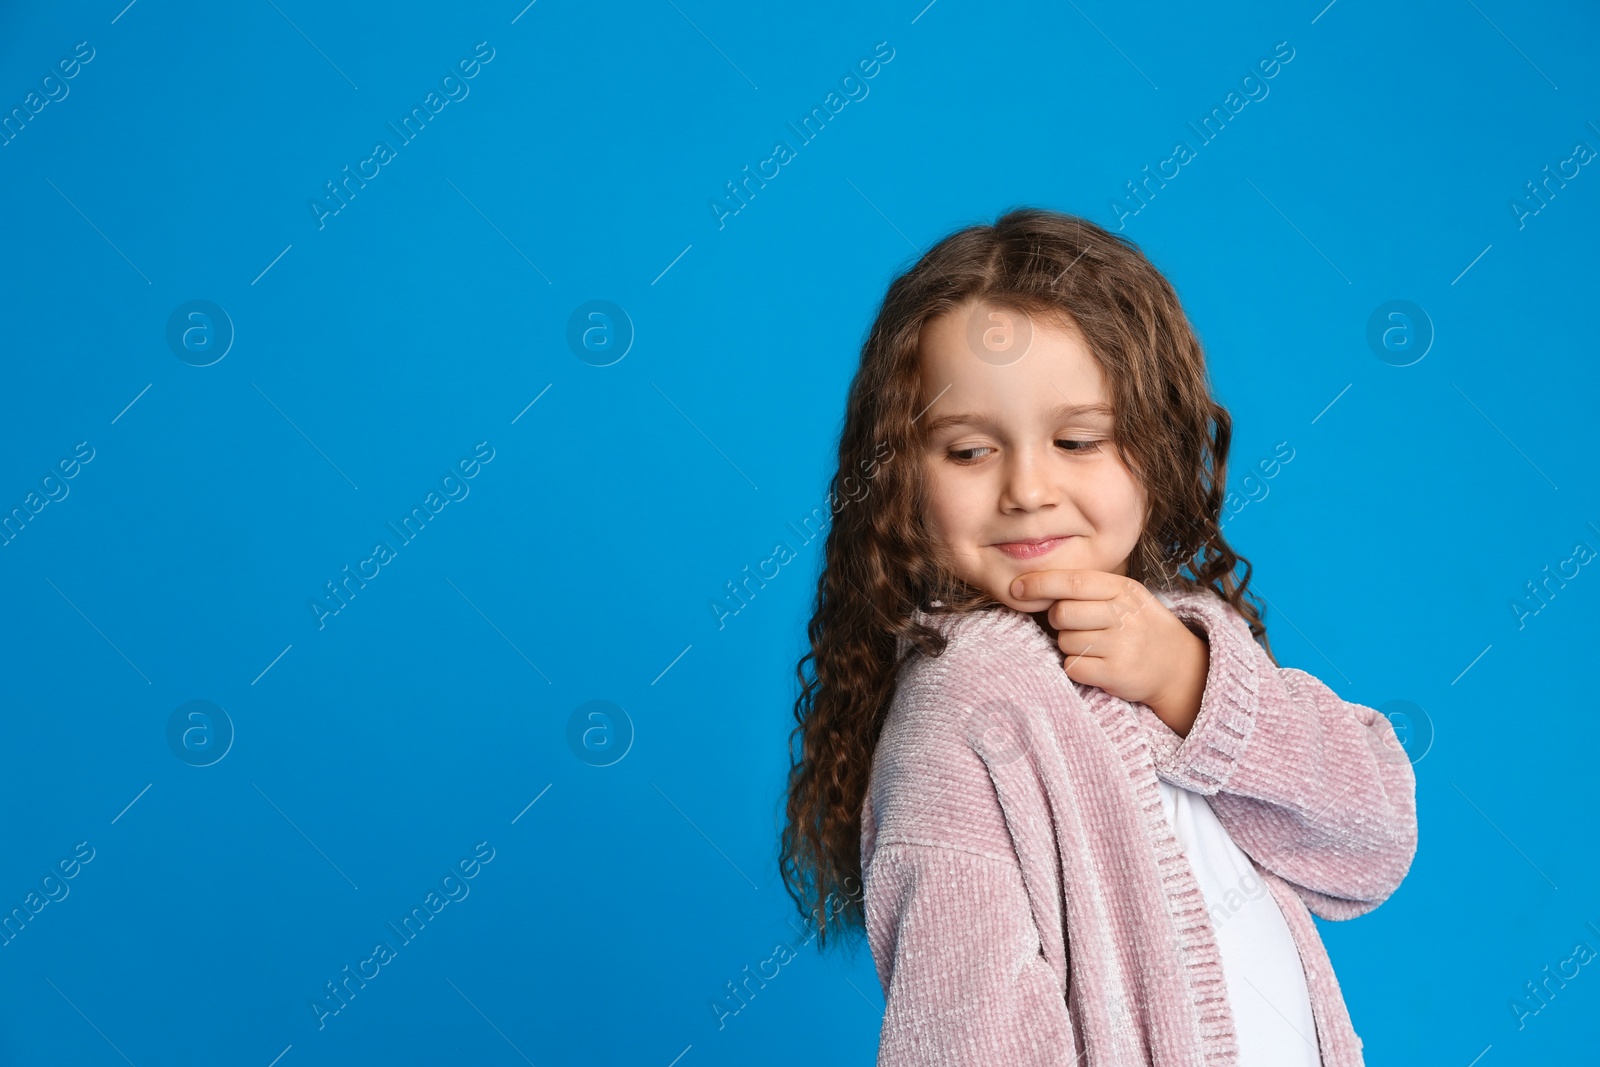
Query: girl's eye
969, 455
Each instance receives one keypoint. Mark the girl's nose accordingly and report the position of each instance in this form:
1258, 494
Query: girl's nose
1027, 485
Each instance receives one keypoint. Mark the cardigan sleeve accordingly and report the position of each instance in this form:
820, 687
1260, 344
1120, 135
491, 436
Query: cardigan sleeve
965, 981
1316, 789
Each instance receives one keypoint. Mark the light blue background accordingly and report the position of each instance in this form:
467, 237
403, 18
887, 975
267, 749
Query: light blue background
429, 313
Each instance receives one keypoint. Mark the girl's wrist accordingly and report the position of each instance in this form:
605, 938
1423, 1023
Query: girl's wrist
1179, 706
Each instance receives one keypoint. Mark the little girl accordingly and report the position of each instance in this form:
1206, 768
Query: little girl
1046, 758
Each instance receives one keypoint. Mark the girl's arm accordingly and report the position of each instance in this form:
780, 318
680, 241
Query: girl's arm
973, 967
1316, 789
965, 983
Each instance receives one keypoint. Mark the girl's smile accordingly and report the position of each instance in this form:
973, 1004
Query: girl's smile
1031, 549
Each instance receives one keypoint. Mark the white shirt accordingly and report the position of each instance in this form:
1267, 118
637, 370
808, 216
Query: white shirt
1260, 963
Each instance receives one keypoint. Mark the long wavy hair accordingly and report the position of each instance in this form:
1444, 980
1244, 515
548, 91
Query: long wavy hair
880, 561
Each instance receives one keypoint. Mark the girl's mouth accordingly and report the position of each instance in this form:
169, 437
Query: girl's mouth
1029, 549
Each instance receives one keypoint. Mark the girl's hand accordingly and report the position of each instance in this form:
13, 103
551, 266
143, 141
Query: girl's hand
1118, 637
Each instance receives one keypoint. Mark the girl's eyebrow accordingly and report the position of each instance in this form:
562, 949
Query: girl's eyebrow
1057, 413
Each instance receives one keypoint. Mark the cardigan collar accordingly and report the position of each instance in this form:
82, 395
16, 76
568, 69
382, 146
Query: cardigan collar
1184, 600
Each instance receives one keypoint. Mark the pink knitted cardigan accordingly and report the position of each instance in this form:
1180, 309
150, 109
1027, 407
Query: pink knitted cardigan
1026, 900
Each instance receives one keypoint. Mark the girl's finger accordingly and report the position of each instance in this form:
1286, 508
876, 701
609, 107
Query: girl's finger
1097, 643
1087, 670
1084, 615
1076, 583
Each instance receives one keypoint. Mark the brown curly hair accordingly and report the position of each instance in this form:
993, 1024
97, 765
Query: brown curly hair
881, 563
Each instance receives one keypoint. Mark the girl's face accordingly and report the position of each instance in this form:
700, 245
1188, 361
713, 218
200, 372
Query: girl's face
1018, 449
